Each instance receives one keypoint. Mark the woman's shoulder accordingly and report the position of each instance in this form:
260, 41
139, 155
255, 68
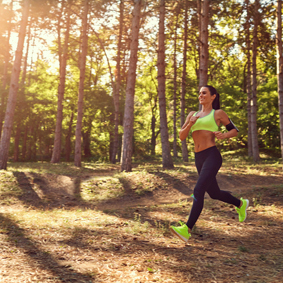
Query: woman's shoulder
221, 116
220, 112
192, 113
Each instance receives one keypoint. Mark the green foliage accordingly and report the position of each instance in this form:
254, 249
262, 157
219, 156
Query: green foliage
37, 99
268, 116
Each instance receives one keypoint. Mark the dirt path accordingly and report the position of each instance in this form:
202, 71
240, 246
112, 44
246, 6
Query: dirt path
105, 226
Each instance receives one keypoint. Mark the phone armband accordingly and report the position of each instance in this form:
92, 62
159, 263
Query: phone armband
231, 126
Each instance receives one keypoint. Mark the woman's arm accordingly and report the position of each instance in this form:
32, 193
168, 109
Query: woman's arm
187, 125
223, 119
221, 136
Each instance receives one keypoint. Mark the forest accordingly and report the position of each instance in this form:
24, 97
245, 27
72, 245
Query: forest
93, 174
114, 80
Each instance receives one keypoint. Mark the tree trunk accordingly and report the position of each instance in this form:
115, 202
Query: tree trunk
249, 91
40, 149
153, 115
24, 74
175, 152
21, 101
29, 151
5, 73
127, 144
117, 86
280, 69
68, 147
56, 154
17, 143
60, 16
199, 33
14, 85
78, 146
166, 156
86, 144
86, 141
34, 147
184, 76
254, 87
203, 56
32, 55
24, 148
153, 136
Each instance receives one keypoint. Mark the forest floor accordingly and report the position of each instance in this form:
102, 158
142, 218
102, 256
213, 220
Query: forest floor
59, 223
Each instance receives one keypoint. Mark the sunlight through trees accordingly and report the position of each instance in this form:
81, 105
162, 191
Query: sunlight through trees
228, 44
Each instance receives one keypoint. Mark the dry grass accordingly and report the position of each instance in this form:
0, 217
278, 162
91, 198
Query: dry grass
94, 224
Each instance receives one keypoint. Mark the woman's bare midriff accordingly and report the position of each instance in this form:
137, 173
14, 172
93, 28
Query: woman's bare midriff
203, 140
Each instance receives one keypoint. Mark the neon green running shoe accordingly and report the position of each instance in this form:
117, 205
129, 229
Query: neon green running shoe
242, 211
182, 232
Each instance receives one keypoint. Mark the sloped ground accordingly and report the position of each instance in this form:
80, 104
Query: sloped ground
63, 224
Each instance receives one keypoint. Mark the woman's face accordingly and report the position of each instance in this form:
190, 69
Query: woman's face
205, 97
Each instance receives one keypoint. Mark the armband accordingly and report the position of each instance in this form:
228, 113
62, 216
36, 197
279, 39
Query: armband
231, 126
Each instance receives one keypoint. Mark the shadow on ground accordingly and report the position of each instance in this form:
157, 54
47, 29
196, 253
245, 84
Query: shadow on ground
254, 251
39, 258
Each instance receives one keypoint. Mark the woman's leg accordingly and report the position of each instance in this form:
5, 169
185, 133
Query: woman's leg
215, 193
208, 163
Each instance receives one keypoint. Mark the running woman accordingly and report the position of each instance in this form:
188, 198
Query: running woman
204, 125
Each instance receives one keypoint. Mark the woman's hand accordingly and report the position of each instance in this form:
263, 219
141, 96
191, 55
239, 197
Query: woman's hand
187, 126
227, 135
193, 119
220, 135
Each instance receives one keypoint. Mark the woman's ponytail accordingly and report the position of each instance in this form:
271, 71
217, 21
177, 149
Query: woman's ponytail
216, 101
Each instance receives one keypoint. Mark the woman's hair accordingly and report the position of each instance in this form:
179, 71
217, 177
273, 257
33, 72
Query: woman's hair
216, 101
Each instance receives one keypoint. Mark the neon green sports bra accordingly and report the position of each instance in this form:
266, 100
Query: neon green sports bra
206, 123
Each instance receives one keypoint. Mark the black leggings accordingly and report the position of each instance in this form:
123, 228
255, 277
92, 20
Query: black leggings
208, 162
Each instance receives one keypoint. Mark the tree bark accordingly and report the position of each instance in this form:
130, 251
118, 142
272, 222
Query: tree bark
56, 154
117, 86
175, 153
127, 144
24, 74
184, 76
10, 110
86, 141
78, 146
249, 91
34, 147
29, 149
153, 115
199, 33
153, 135
167, 162
24, 148
254, 86
22, 100
17, 143
68, 147
5, 73
203, 64
280, 69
